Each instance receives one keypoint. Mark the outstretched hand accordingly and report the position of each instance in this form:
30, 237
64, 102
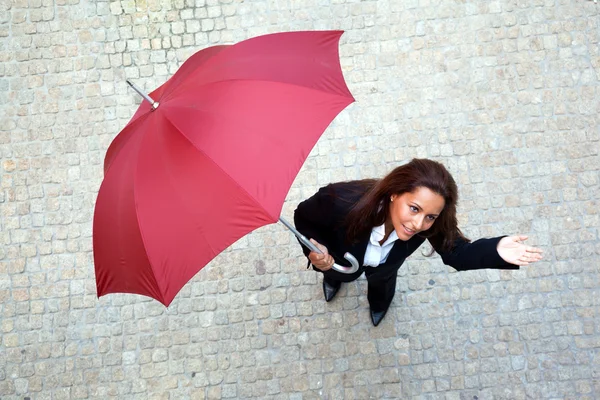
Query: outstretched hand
513, 251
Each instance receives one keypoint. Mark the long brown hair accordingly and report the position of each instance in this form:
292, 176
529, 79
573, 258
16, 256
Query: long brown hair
374, 206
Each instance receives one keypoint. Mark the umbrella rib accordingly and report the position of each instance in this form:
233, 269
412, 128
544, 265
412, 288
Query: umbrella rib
159, 290
130, 125
157, 286
225, 172
327, 64
346, 100
186, 88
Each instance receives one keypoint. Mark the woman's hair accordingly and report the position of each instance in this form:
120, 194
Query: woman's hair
373, 207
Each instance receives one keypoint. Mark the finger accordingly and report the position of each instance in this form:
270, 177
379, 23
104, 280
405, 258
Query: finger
321, 248
323, 267
533, 250
327, 265
519, 238
531, 257
317, 244
526, 259
323, 264
530, 260
316, 257
322, 258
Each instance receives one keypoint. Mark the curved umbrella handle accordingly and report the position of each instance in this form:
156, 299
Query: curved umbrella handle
340, 268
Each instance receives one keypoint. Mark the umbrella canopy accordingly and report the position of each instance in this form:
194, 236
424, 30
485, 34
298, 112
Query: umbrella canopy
213, 160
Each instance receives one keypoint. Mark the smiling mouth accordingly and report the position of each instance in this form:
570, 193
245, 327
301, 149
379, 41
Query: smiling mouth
408, 231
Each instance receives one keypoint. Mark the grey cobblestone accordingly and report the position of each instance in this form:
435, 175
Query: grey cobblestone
506, 94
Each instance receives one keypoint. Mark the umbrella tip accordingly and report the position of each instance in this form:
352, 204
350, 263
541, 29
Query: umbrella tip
143, 94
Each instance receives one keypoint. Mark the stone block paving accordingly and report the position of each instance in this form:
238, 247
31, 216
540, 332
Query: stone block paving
505, 93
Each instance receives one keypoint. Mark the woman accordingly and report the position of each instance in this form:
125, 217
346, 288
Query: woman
381, 222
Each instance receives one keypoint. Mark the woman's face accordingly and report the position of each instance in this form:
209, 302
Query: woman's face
414, 212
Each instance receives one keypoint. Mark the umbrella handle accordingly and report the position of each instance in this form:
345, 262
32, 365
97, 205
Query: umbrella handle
340, 268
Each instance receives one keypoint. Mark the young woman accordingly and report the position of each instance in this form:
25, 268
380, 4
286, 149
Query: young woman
381, 222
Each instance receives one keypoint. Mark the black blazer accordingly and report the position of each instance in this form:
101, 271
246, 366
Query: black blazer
321, 217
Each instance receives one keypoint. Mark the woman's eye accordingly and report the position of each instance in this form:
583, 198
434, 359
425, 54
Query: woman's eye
413, 209
431, 217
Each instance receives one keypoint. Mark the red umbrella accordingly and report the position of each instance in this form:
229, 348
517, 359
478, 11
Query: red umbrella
211, 159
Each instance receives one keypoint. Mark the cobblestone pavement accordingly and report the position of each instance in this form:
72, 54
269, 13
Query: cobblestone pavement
505, 93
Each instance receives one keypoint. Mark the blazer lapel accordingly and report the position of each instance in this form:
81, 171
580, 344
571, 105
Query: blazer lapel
402, 249
359, 248
398, 252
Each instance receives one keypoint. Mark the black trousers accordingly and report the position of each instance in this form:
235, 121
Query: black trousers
380, 292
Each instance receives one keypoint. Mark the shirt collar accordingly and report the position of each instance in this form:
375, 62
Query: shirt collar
378, 233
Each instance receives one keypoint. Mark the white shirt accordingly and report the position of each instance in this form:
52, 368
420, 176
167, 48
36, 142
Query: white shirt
377, 254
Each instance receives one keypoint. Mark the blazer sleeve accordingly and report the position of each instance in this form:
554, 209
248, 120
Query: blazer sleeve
314, 217
466, 255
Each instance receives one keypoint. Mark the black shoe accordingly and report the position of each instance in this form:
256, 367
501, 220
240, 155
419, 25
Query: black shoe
377, 316
330, 288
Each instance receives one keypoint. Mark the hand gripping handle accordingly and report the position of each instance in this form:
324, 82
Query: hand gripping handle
340, 268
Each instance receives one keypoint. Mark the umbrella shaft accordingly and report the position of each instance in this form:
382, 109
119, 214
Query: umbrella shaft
300, 236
